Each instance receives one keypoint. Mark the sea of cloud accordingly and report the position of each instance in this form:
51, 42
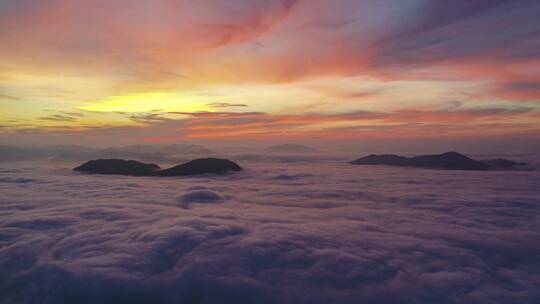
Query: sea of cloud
296, 230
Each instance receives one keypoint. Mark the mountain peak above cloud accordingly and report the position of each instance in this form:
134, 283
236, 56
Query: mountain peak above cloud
448, 161
132, 167
117, 166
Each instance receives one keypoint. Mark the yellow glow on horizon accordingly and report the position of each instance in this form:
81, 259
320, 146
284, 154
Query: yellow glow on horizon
150, 101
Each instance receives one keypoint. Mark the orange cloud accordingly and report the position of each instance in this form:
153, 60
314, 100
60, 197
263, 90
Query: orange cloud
407, 59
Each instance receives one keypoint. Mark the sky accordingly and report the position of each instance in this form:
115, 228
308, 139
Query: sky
465, 73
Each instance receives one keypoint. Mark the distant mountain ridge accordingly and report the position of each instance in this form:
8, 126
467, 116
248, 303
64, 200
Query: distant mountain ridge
448, 161
295, 148
152, 153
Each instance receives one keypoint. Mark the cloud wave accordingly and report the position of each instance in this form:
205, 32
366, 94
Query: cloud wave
315, 231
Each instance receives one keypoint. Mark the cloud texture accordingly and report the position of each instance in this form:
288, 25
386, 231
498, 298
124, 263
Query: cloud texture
313, 231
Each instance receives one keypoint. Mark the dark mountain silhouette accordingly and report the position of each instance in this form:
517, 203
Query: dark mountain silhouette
132, 167
201, 166
505, 164
295, 148
447, 161
382, 159
117, 166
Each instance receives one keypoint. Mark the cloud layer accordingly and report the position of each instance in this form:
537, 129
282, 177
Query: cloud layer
313, 231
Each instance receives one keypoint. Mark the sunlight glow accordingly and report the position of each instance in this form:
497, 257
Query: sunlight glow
150, 101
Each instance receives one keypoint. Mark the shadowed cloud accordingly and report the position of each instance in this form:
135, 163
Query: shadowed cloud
308, 232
